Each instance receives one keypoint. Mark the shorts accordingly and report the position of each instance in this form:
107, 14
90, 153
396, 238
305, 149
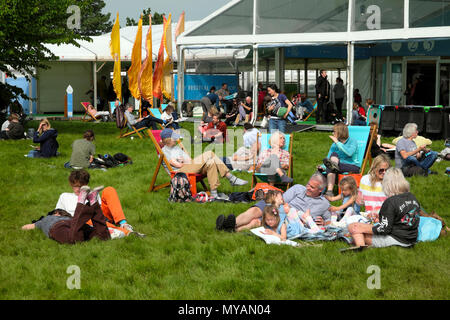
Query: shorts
386, 241
261, 205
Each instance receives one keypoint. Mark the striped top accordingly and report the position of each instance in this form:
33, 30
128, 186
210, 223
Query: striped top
372, 197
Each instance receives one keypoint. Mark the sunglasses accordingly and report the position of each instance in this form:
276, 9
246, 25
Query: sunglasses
382, 171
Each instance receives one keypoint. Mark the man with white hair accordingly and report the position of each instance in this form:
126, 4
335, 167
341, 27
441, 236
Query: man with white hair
301, 198
413, 160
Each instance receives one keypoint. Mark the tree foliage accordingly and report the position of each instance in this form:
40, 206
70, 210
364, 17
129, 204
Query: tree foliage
93, 21
24, 29
157, 18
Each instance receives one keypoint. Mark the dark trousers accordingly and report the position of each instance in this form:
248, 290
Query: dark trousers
76, 229
339, 106
148, 121
321, 109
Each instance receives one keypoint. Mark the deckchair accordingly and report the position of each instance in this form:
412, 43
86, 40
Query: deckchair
264, 139
194, 178
112, 107
90, 116
362, 135
313, 110
156, 113
129, 130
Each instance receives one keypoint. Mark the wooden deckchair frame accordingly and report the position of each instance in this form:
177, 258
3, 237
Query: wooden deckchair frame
290, 171
313, 111
194, 178
129, 130
86, 112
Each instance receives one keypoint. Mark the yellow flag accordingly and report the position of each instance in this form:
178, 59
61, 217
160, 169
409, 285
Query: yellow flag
167, 81
115, 53
136, 60
145, 78
180, 26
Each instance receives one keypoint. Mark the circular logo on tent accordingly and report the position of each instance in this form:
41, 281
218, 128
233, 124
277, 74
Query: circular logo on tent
413, 46
396, 46
428, 45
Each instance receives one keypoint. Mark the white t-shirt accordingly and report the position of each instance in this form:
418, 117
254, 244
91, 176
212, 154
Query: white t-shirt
5, 125
250, 137
166, 117
68, 201
174, 153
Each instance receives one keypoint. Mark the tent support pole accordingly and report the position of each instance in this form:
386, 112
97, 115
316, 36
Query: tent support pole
180, 79
350, 79
255, 83
95, 84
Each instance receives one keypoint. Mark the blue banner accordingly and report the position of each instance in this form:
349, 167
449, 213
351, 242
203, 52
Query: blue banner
196, 86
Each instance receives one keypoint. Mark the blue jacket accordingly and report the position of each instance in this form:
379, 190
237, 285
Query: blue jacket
347, 152
48, 142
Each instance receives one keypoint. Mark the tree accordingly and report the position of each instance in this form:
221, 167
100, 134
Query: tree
24, 29
157, 18
93, 21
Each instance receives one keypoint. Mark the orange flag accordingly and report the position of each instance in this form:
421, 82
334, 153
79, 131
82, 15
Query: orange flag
167, 84
145, 78
158, 73
180, 26
136, 60
115, 53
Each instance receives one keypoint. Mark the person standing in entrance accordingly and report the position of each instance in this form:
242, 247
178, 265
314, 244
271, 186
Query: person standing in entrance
323, 95
339, 95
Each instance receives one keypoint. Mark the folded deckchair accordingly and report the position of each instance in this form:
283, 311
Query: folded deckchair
264, 139
194, 178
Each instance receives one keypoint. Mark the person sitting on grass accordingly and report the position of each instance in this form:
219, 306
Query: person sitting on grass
349, 207
15, 130
83, 151
207, 119
64, 228
413, 160
108, 200
342, 157
298, 197
358, 119
275, 160
216, 131
399, 216
147, 122
46, 137
207, 163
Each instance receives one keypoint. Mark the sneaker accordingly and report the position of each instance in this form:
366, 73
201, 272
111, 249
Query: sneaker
222, 196
127, 226
235, 181
137, 234
333, 167
219, 222
229, 224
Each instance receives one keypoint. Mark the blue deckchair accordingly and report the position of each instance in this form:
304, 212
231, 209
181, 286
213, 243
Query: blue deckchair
157, 114
313, 110
264, 139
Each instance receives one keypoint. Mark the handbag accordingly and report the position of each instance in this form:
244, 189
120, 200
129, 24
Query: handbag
264, 122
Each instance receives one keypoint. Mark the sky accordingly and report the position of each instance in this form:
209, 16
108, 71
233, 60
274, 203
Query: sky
195, 9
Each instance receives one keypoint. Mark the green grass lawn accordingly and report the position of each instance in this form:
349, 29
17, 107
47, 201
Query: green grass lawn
183, 256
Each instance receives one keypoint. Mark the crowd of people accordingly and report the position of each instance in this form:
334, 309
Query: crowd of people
379, 210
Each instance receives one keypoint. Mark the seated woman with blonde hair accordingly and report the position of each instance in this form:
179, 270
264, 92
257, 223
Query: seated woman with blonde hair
46, 137
398, 216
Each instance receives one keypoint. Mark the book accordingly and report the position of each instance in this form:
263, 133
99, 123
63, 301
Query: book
270, 239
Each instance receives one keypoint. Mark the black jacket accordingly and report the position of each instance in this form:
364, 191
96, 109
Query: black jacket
48, 142
16, 131
323, 87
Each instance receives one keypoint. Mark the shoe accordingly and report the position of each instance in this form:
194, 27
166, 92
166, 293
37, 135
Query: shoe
285, 179
353, 249
219, 222
84, 192
432, 172
127, 226
229, 224
222, 196
235, 181
137, 234
93, 195
333, 167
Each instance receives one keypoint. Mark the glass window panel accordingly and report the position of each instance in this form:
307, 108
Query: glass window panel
426, 13
236, 20
300, 16
378, 14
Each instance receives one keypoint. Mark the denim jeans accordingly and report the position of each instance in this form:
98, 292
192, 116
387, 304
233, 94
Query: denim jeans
34, 154
425, 163
277, 124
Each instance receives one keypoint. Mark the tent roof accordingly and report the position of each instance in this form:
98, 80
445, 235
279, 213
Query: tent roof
99, 50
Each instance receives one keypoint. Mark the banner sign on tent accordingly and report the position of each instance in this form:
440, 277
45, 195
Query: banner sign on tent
196, 86
324, 52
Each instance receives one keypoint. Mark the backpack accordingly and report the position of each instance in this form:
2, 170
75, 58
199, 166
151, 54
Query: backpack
260, 190
122, 158
180, 188
119, 113
105, 161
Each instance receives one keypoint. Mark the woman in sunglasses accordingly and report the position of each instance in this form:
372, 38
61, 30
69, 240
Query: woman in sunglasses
370, 192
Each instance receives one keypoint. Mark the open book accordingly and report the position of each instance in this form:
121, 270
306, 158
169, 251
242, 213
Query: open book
269, 239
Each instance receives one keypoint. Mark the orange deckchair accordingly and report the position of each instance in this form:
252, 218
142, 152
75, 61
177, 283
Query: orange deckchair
87, 112
194, 178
